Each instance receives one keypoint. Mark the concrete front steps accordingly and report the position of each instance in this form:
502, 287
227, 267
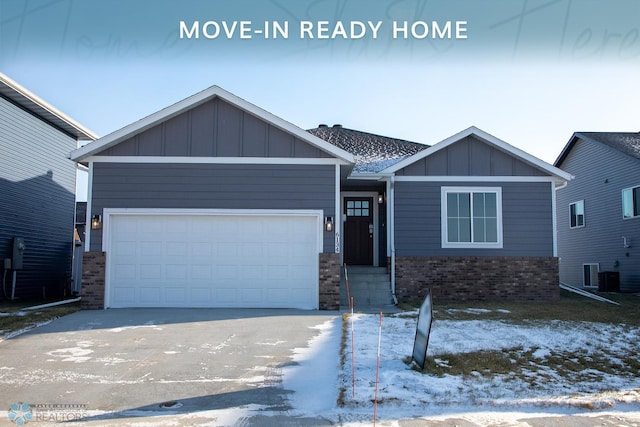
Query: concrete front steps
370, 288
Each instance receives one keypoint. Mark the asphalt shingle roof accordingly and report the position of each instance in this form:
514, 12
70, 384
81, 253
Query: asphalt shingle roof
625, 142
373, 153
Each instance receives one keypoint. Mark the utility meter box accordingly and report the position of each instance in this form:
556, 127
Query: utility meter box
18, 253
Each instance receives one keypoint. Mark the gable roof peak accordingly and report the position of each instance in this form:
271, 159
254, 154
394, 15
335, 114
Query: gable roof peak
488, 139
627, 143
193, 101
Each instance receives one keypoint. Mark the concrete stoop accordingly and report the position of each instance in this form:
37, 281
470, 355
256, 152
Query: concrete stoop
370, 288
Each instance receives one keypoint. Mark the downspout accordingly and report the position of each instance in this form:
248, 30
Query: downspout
554, 190
392, 232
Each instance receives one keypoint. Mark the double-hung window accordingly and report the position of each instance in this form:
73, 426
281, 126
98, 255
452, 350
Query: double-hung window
631, 202
471, 217
576, 212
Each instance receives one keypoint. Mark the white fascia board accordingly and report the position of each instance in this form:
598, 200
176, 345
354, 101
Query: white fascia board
217, 160
370, 176
42, 108
214, 91
491, 140
446, 178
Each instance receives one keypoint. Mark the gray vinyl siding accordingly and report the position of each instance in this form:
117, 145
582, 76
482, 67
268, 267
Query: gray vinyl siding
215, 129
37, 186
470, 157
601, 173
527, 219
213, 186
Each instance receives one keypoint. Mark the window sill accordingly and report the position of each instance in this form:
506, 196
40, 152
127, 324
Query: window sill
472, 246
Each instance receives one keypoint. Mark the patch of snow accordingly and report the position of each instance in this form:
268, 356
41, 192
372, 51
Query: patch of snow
315, 372
406, 393
73, 354
541, 353
128, 328
477, 310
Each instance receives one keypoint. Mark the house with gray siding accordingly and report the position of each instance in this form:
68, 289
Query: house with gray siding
37, 189
215, 202
598, 214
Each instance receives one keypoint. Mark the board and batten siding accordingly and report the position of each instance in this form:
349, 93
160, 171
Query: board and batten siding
601, 173
215, 129
213, 186
37, 196
470, 157
527, 219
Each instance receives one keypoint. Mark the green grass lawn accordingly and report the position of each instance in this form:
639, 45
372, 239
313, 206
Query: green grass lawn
571, 308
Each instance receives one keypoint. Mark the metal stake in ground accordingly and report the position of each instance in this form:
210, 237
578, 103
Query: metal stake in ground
375, 398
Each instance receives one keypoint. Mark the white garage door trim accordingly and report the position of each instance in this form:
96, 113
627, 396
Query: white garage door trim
110, 213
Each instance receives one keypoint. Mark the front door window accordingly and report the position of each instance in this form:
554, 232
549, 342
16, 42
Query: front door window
358, 231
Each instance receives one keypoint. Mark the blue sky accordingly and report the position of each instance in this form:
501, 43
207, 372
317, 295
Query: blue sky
530, 72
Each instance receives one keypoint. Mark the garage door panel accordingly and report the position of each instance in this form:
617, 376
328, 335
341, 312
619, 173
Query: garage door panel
201, 249
125, 248
176, 271
201, 272
150, 271
179, 295
299, 296
251, 296
213, 261
124, 295
176, 248
149, 295
125, 271
201, 294
251, 273
226, 296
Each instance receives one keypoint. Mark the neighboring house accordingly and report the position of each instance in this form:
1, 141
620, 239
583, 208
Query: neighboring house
214, 202
599, 213
37, 192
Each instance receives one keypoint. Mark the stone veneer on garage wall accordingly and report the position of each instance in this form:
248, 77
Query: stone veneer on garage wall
329, 281
477, 278
93, 269
93, 282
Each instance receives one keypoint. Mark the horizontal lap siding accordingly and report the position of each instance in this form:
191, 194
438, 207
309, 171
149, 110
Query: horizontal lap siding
211, 186
527, 219
37, 185
600, 174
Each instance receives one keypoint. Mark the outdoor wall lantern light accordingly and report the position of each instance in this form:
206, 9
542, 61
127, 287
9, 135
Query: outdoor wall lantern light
328, 223
380, 198
96, 222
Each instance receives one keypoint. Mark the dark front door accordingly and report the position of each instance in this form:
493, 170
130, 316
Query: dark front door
358, 231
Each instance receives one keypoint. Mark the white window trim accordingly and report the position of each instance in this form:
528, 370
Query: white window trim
622, 202
444, 223
584, 215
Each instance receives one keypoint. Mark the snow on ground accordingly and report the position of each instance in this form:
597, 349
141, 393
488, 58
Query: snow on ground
406, 393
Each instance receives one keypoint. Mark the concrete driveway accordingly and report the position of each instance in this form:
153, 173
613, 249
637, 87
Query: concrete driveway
128, 363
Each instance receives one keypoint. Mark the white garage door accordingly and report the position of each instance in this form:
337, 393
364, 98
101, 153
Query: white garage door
212, 261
